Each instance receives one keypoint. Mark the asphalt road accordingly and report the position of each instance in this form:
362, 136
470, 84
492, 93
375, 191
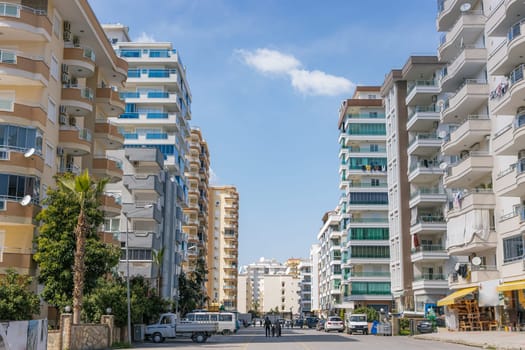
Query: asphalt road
302, 339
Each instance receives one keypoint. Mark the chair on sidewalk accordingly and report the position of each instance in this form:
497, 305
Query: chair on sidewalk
463, 326
493, 326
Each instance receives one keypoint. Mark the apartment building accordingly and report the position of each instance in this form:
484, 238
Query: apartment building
223, 246
58, 93
315, 254
363, 232
481, 108
270, 284
305, 287
419, 260
329, 263
197, 211
156, 117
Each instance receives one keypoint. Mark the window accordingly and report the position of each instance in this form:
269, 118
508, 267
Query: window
54, 67
225, 317
111, 224
52, 111
19, 137
512, 249
50, 155
374, 148
372, 114
56, 25
7, 101
374, 182
136, 254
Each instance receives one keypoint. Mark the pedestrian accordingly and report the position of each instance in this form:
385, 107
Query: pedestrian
267, 325
273, 329
278, 328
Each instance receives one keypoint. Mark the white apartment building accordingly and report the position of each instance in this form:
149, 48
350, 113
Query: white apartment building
315, 253
362, 259
419, 260
305, 283
156, 116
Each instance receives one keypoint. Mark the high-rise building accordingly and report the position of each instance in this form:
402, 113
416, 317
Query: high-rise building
223, 245
156, 116
419, 261
58, 92
305, 286
361, 250
197, 211
315, 251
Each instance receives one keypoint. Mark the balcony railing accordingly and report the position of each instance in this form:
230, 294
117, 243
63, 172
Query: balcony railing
424, 136
7, 57
430, 219
369, 220
369, 274
366, 116
356, 184
13, 10
426, 190
428, 248
421, 109
412, 84
430, 277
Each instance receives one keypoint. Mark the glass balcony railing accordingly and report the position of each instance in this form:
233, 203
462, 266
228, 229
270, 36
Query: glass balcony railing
157, 115
430, 219
413, 84
514, 31
421, 109
130, 135
430, 277
516, 75
130, 53
134, 73
369, 274
426, 190
428, 248
369, 220
129, 94
371, 115
158, 94
424, 164
129, 115
157, 136
371, 149
357, 184
424, 136
85, 134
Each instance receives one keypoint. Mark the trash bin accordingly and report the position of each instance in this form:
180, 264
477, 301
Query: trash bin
373, 330
138, 332
386, 329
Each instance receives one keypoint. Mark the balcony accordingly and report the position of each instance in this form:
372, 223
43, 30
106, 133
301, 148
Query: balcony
154, 76
507, 98
471, 94
77, 100
421, 91
367, 186
155, 98
14, 161
468, 63
469, 200
483, 273
23, 114
19, 259
466, 29
472, 130
424, 171
422, 118
147, 159
168, 120
109, 101
14, 213
428, 224
429, 253
427, 196
110, 205
369, 259
473, 167
368, 222
473, 231
80, 61
108, 134
430, 281
509, 54
364, 276
134, 211
366, 151
424, 144
75, 141
19, 70
150, 184
511, 182
448, 11
107, 167
21, 23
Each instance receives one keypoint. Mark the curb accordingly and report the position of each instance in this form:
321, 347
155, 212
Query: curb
469, 343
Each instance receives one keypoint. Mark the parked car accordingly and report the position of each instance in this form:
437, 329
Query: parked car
311, 322
320, 325
334, 323
298, 322
424, 327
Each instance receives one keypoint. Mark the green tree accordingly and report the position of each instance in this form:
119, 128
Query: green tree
70, 255
158, 258
146, 305
17, 301
371, 313
192, 294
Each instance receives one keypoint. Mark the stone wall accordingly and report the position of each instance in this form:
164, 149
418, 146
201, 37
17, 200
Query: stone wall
89, 336
53, 340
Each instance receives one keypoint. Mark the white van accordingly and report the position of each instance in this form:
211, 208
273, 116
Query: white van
226, 320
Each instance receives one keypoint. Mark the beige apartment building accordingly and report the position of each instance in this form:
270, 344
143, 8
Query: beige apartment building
223, 245
59, 85
197, 211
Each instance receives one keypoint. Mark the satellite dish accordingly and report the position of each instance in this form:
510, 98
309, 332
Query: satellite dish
26, 200
465, 7
457, 267
29, 152
442, 134
443, 165
476, 261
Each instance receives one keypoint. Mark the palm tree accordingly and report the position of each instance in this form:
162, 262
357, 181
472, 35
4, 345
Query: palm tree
158, 258
84, 190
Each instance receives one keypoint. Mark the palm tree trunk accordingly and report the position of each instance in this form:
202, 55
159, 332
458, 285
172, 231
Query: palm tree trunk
79, 267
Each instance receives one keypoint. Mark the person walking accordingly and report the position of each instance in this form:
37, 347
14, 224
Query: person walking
267, 325
278, 330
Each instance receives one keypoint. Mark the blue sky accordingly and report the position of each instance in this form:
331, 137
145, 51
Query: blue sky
267, 79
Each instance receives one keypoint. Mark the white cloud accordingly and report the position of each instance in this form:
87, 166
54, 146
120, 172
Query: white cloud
307, 82
145, 38
269, 61
319, 83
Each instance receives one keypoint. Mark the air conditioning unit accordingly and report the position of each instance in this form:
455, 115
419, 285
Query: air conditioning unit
67, 26
4, 154
72, 121
62, 109
66, 35
65, 78
65, 68
60, 151
62, 119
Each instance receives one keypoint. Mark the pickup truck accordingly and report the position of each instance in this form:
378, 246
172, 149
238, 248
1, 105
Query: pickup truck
356, 323
169, 327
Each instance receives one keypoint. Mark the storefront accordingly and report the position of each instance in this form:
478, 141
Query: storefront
513, 300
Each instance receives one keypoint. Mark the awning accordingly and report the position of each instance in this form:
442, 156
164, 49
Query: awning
508, 286
451, 298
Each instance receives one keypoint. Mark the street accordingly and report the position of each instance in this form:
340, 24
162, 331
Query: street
302, 339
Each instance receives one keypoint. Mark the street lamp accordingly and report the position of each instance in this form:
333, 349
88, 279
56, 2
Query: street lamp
127, 264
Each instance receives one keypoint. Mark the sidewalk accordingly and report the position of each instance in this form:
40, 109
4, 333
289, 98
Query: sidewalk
486, 340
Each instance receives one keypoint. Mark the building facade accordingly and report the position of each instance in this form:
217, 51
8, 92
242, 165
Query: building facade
156, 116
223, 246
305, 287
58, 93
363, 207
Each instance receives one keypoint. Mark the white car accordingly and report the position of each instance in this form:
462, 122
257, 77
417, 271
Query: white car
334, 323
